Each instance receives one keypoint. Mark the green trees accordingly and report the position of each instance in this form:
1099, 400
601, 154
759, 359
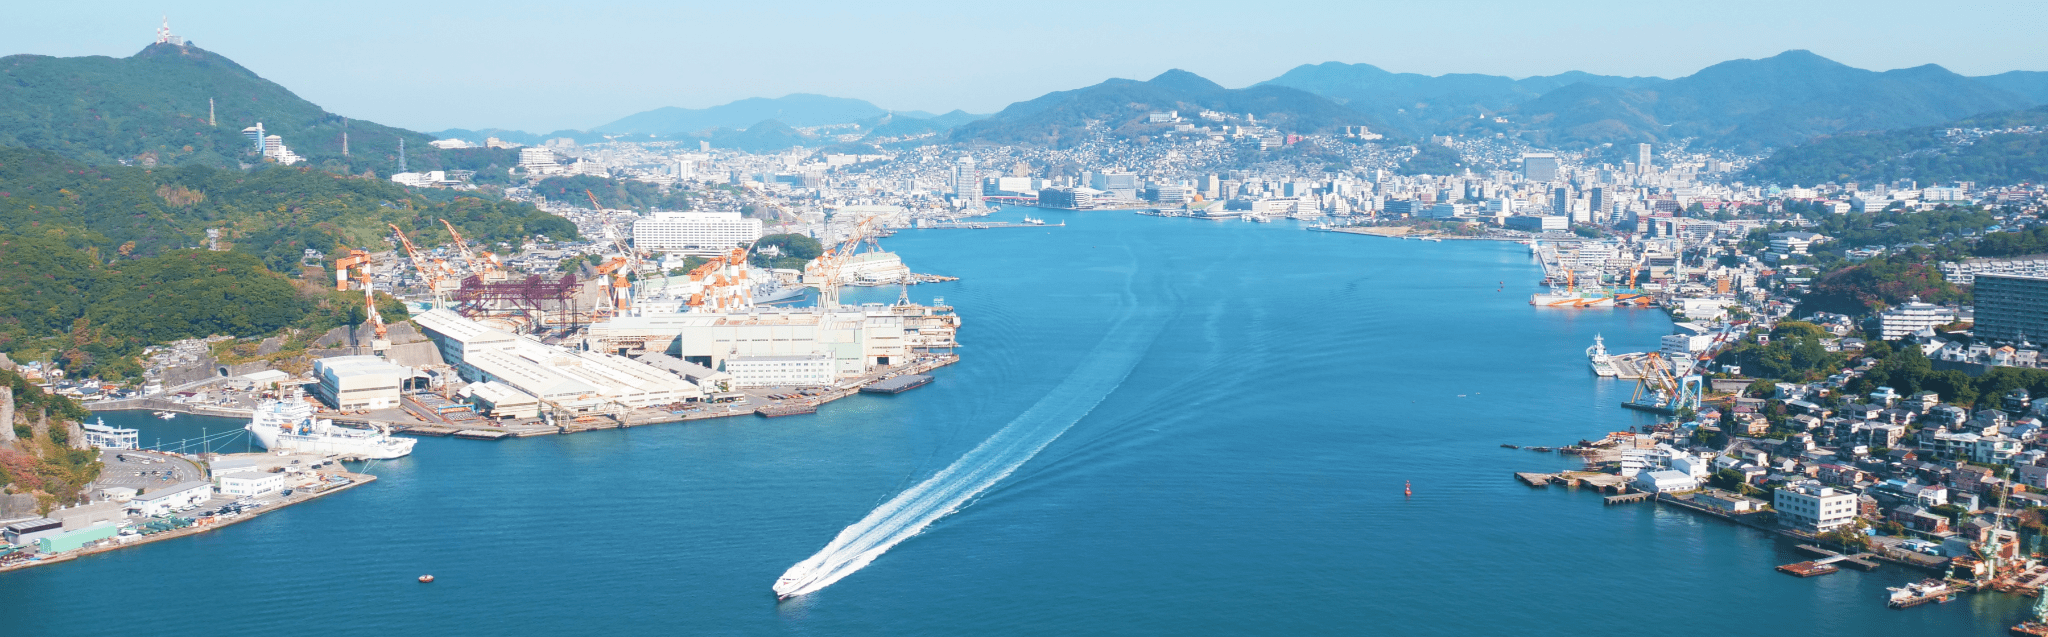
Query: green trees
1795, 353
796, 250
1433, 159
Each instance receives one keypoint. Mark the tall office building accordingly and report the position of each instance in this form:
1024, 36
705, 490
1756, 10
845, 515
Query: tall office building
2011, 307
1539, 167
966, 180
1601, 202
1561, 201
1643, 157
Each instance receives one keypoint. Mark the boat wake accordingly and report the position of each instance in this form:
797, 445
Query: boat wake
907, 514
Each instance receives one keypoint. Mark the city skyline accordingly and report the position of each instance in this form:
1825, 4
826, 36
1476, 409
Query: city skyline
539, 67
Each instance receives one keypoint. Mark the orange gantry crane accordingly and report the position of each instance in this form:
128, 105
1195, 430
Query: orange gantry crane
359, 260
724, 284
341, 266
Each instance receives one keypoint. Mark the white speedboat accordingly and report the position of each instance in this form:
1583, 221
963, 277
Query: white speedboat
288, 424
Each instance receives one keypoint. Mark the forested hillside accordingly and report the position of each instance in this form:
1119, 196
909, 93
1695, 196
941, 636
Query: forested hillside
152, 109
1996, 149
96, 262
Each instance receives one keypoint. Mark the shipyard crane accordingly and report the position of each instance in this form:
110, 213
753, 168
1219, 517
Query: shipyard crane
829, 264
486, 267
723, 282
341, 266
360, 261
429, 269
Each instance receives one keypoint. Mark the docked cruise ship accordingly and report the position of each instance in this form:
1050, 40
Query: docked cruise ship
288, 424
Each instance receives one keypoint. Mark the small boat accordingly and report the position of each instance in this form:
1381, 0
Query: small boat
165, 415
426, 579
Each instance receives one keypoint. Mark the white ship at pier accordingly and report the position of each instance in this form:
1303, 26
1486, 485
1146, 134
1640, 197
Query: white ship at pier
288, 424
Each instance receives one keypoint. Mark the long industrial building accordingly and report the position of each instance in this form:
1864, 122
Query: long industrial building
786, 346
574, 380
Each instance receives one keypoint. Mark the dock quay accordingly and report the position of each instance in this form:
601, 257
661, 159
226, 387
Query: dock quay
786, 410
1829, 557
1627, 498
1602, 481
897, 384
985, 225
347, 480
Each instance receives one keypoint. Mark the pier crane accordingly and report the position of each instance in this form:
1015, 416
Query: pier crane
1660, 390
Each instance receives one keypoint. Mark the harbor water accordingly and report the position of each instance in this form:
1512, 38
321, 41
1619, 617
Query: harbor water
1209, 426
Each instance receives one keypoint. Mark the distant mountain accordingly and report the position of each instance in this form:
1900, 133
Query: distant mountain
797, 110
2032, 85
1742, 104
1055, 119
1416, 104
1928, 154
151, 108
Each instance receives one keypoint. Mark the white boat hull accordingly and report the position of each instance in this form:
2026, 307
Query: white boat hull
384, 448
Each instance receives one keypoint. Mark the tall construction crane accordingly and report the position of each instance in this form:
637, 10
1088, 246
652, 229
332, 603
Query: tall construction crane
341, 266
429, 268
486, 267
360, 261
828, 266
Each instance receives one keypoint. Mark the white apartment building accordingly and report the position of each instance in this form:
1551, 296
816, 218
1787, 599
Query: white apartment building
1965, 273
249, 484
1814, 508
781, 371
537, 158
698, 233
1902, 321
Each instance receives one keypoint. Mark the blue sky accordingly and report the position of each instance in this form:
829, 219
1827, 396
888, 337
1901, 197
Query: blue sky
543, 66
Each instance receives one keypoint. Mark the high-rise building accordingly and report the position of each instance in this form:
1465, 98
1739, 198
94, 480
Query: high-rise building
1561, 201
966, 182
255, 135
703, 233
1539, 167
1601, 202
1643, 158
2011, 307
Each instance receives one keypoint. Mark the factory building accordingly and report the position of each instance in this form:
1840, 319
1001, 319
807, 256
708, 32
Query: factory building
501, 400
855, 339
575, 380
350, 383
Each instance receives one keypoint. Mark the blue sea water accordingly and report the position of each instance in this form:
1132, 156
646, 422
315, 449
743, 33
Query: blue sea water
1243, 475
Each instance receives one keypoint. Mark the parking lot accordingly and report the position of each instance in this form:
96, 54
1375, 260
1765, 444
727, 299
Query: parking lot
143, 470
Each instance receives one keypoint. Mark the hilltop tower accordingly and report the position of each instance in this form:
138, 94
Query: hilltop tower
163, 34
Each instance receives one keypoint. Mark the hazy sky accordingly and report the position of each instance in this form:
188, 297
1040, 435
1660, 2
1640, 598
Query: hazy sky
542, 66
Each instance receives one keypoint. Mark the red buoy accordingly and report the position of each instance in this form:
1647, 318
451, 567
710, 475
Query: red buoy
426, 579
1407, 490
